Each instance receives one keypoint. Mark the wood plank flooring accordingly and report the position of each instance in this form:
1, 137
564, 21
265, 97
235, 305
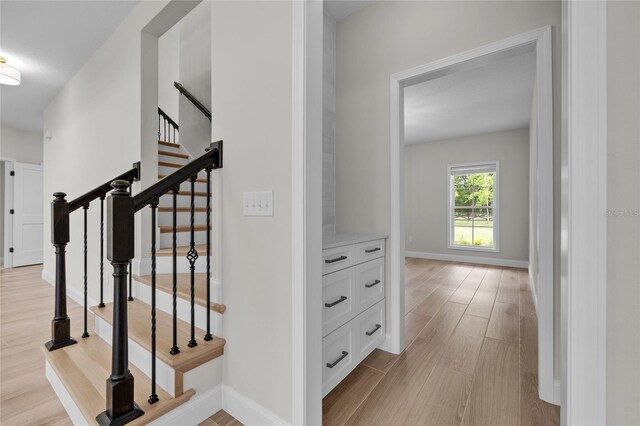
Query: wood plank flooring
26, 310
471, 356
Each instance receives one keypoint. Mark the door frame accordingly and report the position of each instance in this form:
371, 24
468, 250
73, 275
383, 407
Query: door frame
9, 166
540, 39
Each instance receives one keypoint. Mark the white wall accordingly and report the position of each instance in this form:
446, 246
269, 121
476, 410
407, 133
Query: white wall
388, 37
169, 71
329, 125
623, 202
195, 76
427, 191
21, 145
252, 94
95, 122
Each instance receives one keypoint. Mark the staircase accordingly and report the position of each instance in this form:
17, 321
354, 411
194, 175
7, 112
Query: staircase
153, 344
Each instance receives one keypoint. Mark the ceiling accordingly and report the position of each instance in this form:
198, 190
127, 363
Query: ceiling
340, 9
49, 41
485, 99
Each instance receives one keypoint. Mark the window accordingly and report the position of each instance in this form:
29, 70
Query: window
473, 213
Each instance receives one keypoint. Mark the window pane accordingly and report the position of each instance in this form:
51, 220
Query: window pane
483, 227
462, 229
463, 196
483, 196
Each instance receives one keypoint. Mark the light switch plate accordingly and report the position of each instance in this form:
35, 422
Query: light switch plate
258, 203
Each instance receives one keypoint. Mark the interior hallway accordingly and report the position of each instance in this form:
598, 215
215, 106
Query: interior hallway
471, 356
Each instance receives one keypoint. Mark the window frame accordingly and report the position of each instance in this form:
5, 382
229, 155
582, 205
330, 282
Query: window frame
496, 206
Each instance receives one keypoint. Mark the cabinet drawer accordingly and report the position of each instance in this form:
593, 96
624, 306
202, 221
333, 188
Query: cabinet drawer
370, 283
339, 356
369, 251
370, 329
338, 258
339, 299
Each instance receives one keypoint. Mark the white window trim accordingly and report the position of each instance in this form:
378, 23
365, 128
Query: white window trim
496, 208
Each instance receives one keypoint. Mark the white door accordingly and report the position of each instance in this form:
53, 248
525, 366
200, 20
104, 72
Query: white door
27, 217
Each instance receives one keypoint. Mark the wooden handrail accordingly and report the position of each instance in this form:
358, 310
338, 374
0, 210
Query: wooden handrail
193, 99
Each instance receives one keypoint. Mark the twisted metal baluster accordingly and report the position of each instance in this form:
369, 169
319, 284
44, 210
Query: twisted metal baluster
208, 336
101, 304
85, 333
175, 349
192, 256
153, 398
130, 298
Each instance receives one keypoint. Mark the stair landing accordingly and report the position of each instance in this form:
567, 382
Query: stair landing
83, 369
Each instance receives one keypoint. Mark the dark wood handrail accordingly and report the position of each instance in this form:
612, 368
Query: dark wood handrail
193, 100
164, 114
211, 159
102, 190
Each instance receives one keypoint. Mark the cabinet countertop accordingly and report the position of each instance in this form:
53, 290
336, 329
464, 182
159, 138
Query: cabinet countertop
344, 239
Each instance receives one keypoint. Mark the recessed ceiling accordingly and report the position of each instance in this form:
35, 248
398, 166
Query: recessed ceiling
340, 9
49, 41
491, 98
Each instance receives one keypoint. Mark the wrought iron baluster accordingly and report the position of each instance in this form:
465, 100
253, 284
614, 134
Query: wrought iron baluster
85, 333
175, 349
130, 298
192, 256
208, 336
101, 304
159, 118
153, 398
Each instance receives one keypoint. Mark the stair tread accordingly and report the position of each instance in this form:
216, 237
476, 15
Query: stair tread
200, 180
165, 143
164, 229
139, 320
182, 250
197, 193
83, 369
164, 282
182, 209
167, 164
173, 154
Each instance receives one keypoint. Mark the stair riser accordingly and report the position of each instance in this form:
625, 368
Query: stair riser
184, 218
183, 201
172, 159
164, 302
173, 148
182, 238
200, 379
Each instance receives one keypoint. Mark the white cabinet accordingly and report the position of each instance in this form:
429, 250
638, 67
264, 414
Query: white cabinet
353, 306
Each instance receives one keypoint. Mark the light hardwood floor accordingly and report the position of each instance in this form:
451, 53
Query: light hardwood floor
471, 356
26, 309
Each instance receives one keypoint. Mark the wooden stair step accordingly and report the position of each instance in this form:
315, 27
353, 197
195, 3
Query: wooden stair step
83, 369
182, 209
164, 282
171, 144
173, 154
139, 320
188, 193
167, 164
199, 180
166, 229
182, 250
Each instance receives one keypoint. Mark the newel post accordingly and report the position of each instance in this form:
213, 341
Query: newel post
120, 408
61, 324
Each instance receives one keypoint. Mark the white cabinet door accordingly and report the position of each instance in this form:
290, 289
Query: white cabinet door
27, 218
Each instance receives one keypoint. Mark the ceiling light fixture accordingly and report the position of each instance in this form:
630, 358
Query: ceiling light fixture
8, 74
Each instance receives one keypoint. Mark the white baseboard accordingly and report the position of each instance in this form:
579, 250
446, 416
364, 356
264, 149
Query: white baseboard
75, 294
469, 259
246, 410
68, 403
195, 411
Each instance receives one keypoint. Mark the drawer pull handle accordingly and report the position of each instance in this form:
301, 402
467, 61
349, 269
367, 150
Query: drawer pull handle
370, 333
334, 363
372, 250
342, 299
337, 259
376, 282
